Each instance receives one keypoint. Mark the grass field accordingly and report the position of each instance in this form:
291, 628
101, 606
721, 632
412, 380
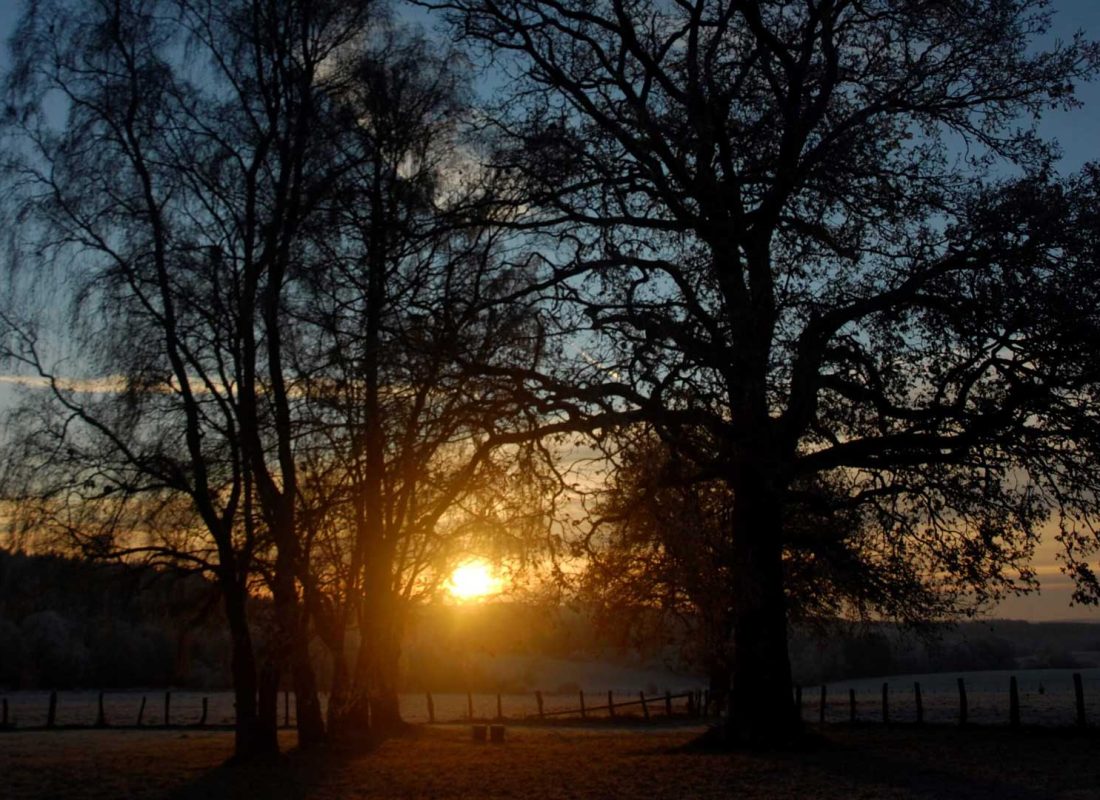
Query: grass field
562, 762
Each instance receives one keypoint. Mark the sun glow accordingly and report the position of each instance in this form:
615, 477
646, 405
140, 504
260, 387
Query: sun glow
473, 579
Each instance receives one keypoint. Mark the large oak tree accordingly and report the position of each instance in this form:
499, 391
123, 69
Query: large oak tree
804, 237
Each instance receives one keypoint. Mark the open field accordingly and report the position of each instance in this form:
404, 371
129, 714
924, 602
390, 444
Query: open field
562, 761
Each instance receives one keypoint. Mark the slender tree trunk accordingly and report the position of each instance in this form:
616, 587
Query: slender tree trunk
293, 648
762, 709
377, 662
384, 676
339, 690
268, 705
250, 737
311, 721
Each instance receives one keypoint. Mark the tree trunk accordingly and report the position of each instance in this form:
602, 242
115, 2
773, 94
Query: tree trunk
311, 722
268, 706
377, 663
762, 709
293, 649
338, 693
251, 739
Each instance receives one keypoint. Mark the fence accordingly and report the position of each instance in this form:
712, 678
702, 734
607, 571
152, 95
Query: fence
1048, 698
1046, 704
183, 709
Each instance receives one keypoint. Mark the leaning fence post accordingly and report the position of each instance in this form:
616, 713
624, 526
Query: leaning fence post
919, 701
852, 706
1079, 695
584, 712
821, 707
202, 719
538, 699
1013, 702
668, 703
431, 708
886, 703
962, 702
611, 704
51, 712
645, 708
101, 717
167, 708
141, 711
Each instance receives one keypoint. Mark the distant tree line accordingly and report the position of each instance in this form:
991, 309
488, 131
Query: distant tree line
68, 623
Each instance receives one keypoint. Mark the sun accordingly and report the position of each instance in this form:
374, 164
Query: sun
473, 579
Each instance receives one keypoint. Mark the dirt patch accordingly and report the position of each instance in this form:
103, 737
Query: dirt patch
560, 762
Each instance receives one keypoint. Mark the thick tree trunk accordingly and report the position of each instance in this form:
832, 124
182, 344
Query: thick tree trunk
762, 708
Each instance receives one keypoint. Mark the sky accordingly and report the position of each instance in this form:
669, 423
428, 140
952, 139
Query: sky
1078, 133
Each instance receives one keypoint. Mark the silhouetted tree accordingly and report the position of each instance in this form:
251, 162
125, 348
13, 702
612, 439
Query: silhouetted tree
420, 460
816, 236
170, 193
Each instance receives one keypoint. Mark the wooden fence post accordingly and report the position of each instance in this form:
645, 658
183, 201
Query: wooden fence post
798, 701
668, 703
962, 702
431, 708
691, 704
584, 712
821, 707
500, 707
205, 708
611, 704
645, 708
886, 703
101, 717
852, 706
141, 711
919, 701
286, 708
1013, 702
167, 708
470, 705
51, 712
538, 699
1079, 694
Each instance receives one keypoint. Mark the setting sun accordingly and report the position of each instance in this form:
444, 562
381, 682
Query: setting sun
473, 579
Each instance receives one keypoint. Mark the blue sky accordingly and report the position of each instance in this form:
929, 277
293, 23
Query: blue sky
1077, 131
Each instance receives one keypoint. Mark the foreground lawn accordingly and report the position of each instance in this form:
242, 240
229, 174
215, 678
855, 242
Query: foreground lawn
561, 762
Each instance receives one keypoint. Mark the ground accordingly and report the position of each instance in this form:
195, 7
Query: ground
562, 762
